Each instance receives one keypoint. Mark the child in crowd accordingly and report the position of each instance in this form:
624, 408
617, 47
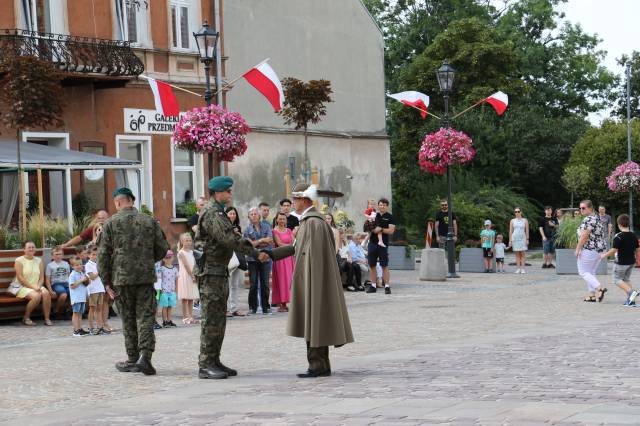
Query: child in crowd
487, 236
371, 208
83, 254
168, 280
157, 286
78, 293
187, 287
625, 246
57, 278
371, 224
499, 248
96, 294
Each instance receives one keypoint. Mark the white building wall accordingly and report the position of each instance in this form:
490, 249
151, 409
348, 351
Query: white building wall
335, 40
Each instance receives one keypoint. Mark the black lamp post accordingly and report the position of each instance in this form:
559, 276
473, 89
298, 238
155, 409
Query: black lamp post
207, 41
446, 74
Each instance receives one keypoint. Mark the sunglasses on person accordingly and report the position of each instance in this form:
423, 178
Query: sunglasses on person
583, 208
443, 205
517, 211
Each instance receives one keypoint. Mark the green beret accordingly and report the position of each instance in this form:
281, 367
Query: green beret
220, 183
123, 191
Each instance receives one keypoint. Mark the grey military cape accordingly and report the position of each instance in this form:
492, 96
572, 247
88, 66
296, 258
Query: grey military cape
318, 312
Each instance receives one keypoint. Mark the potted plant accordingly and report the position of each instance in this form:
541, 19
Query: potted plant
212, 130
566, 240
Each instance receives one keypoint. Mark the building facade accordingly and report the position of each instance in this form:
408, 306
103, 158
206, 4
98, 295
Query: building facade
110, 110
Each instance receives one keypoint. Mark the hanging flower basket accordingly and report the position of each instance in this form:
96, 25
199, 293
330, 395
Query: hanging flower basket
212, 130
444, 148
625, 178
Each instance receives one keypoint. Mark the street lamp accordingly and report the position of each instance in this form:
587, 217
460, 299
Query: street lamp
207, 41
446, 75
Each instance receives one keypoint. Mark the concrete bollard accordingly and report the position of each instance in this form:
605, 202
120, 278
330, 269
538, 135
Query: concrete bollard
432, 265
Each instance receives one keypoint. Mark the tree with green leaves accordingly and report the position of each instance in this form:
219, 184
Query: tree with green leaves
305, 103
632, 61
33, 98
575, 179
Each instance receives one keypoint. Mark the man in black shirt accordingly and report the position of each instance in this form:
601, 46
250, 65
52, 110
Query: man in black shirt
625, 247
285, 207
442, 224
192, 223
547, 227
385, 226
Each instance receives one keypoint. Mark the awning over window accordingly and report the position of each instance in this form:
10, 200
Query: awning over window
50, 158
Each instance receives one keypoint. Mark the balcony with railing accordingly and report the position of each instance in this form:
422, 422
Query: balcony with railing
76, 55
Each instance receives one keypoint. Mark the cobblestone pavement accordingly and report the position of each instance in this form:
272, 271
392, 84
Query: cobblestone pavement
484, 349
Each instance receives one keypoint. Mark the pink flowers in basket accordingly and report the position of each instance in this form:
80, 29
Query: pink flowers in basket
625, 178
445, 147
212, 130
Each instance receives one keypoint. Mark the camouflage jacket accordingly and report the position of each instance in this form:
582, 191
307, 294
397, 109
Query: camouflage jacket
217, 240
128, 247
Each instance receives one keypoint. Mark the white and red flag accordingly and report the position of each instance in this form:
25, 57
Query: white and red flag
166, 102
499, 101
414, 99
266, 81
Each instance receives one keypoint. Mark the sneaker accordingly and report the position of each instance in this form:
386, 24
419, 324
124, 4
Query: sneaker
351, 288
545, 266
156, 326
371, 289
266, 312
77, 333
196, 306
93, 331
171, 324
252, 312
360, 288
522, 271
552, 266
632, 296
387, 290
104, 331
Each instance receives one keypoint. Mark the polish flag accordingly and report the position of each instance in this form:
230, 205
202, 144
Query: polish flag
166, 102
265, 80
499, 101
413, 99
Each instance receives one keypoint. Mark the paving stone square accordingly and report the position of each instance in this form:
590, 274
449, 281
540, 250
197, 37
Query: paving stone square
485, 349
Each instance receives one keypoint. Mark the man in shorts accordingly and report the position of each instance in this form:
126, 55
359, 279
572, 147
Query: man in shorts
382, 227
625, 247
548, 226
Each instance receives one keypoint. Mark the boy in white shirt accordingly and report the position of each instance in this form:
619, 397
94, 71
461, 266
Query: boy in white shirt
96, 294
78, 282
499, 248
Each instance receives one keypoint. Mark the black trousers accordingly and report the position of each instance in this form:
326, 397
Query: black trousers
353, 272
259, 279
318, 359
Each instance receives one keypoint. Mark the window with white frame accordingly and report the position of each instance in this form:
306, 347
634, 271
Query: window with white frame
45, 16
182, 20
184, 178
131, 21
136, 148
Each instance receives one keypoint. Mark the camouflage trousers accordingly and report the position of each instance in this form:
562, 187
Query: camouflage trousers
214, 291
137, 310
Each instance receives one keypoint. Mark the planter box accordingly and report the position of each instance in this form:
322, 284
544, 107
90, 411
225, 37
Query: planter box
471, 260
398, 258
567, 264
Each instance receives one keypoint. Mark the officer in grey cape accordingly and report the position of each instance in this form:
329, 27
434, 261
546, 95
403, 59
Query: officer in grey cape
216, 239
318, 312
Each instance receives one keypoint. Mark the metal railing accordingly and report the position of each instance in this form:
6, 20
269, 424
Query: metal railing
72, 54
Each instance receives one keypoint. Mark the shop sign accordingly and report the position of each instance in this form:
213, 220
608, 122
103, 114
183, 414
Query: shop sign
148, 122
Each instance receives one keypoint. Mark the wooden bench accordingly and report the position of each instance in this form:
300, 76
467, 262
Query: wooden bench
10, 306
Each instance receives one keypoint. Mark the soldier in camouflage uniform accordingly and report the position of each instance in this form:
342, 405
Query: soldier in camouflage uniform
128, 247
217, 240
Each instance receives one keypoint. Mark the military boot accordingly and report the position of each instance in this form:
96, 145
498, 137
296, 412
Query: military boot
230, 371
144, 366
127, 367
214, 372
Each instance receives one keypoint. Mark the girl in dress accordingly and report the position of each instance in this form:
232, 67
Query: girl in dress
282, 269
187, 287
519, 238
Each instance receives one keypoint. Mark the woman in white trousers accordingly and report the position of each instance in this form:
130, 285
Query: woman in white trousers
591, 243
236, 276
